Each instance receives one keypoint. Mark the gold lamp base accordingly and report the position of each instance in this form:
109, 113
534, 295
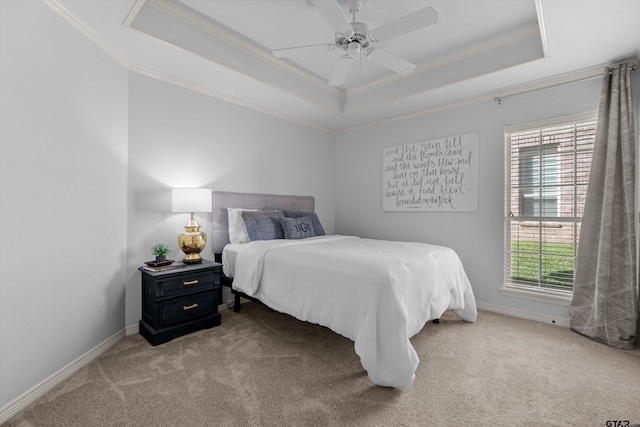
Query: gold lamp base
192, 242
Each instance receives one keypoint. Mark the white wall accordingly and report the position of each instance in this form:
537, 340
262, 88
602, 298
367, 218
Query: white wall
63, 174
477, 236
180, 138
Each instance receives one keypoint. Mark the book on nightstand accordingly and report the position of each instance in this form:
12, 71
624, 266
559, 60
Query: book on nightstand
156, 267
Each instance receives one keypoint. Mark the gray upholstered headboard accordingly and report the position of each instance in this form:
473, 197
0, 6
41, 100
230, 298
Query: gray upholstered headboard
222, 200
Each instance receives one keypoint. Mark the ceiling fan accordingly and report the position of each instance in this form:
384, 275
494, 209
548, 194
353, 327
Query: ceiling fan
357, 40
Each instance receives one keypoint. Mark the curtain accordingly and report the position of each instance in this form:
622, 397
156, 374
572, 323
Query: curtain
604, 306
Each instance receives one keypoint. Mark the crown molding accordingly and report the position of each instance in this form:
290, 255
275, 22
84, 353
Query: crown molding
580, 75
454, 57
432, 88
542, 30
87, 31
133, 13
98, 40
196, 20
224, 97
574, 77
459, 55
563, 79
193, 18
423, 112
333, 110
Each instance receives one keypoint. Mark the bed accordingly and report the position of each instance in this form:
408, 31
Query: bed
377, 293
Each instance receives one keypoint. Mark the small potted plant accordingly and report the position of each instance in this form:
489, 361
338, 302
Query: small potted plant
160, 250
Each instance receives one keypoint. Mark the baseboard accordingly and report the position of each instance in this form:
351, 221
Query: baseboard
24, 400
132, 329
524, 314
30, 396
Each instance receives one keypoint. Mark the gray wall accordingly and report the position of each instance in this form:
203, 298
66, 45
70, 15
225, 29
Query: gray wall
63, 187
180, 138
476, 236
89, 152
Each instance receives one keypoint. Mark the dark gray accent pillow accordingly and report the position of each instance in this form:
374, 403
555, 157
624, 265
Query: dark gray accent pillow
263, 225
317, 226
297, 228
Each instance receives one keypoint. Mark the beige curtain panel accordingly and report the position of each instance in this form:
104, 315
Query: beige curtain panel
605, 296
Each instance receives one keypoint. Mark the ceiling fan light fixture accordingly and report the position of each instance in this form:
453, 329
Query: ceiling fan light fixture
353, 49
360, 35
356, 38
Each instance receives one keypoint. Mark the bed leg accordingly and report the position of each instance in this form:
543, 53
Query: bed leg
236, 302
436, 320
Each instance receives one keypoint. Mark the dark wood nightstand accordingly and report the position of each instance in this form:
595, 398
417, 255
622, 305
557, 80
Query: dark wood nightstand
176, 302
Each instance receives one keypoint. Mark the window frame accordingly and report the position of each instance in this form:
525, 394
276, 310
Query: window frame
539, 291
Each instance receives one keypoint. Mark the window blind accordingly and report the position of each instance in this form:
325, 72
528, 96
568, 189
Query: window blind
547, 173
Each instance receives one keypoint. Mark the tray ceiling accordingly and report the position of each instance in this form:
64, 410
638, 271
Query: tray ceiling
477, 49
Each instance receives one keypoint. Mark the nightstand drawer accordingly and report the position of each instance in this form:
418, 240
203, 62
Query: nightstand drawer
187, 308
179, 301
188, 282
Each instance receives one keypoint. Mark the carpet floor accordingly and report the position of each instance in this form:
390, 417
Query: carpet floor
262, 368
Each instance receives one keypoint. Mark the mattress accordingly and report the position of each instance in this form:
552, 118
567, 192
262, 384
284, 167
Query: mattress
229, 254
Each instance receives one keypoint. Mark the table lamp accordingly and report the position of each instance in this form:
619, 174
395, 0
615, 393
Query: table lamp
191, 200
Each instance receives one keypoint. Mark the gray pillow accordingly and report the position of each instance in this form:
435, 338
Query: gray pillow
263, 225
297, 228
317, 226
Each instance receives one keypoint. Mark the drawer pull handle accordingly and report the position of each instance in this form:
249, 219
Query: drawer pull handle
192, 282
189, 307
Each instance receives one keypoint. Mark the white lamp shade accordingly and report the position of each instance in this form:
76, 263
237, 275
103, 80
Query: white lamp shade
191, 200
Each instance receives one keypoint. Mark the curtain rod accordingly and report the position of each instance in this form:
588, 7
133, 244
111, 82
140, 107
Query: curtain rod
632, 67
633, 63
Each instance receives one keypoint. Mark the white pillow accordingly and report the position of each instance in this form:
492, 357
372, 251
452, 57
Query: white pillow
237, 232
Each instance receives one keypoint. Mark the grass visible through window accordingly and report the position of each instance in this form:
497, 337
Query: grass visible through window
549, 265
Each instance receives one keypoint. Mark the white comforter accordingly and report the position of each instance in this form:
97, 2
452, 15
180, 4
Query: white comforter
377, 293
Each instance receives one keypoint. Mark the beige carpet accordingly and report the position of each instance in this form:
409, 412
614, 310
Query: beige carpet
261, 368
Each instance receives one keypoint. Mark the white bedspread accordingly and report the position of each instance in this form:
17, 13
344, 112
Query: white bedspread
377, 293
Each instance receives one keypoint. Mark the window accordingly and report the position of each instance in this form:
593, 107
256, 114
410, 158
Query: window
547, 172
539, 166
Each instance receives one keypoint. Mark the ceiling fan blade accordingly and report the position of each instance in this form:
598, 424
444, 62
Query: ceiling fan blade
335, 15
411, 22
341, 71
291, 51
391, 61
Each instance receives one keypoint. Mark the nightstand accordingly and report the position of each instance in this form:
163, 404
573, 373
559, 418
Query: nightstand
176, 302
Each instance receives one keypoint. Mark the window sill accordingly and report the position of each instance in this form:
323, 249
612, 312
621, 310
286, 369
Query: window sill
546, 296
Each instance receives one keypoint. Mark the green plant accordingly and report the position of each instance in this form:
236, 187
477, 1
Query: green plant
549, 264
160, 249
